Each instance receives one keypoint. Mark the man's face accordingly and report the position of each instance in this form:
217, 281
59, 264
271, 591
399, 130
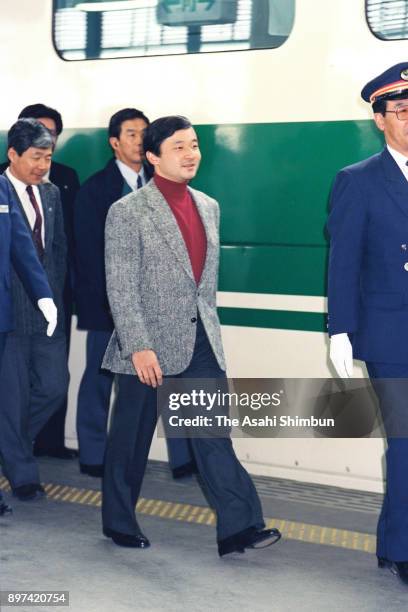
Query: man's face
50, 125
128, 147
31, 166
395, 131
179, 156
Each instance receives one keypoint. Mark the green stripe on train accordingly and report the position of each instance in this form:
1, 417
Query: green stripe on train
272, 182
277, 319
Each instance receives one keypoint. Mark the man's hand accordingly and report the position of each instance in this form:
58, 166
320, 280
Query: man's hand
147, 367
341, 355
49, 310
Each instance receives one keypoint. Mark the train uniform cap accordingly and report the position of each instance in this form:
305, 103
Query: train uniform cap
392, 81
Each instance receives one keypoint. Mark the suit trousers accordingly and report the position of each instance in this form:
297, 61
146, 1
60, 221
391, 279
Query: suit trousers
33, 380
93, 408
52, 435
392, 529
94, 401
228, 486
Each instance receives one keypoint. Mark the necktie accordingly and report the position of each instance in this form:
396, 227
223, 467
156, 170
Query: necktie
38, 223
139, 183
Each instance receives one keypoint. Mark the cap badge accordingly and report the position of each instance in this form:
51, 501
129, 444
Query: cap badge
404, 74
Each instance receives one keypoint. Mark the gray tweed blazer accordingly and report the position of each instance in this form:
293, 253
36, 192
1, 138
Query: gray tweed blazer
27, 317
152, 293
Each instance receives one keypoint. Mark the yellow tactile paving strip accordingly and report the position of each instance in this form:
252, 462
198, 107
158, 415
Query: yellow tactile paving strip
292, 530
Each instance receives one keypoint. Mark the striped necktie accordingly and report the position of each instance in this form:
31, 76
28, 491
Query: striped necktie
38, 223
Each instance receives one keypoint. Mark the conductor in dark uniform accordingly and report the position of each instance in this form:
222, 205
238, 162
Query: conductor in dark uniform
17, 246
368, 292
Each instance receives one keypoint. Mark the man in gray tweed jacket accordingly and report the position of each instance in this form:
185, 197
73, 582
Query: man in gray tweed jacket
162, 250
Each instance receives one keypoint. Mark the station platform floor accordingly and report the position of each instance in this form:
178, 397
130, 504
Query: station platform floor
324, 562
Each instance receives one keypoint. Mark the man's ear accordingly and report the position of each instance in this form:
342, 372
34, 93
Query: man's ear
379, 121
152, 158
114, 142
12, 154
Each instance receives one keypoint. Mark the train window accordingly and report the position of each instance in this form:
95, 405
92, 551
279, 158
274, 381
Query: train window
93, 29
388, 19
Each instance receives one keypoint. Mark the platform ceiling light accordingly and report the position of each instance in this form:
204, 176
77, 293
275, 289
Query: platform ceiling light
93, 6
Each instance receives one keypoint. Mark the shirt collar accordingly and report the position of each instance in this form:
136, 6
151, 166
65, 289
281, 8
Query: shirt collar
400, 159
19, 186
129, 174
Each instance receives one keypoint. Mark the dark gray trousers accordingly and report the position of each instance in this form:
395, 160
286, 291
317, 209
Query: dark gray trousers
33, 381
228, 486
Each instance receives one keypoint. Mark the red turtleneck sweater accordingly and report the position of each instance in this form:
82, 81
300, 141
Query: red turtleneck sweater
189, 221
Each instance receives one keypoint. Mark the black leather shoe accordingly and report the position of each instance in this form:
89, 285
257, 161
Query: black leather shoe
399, 568
262, 538
92, 470
127, 540
5, 508
60, 452
29, 491
187, 469
248, 538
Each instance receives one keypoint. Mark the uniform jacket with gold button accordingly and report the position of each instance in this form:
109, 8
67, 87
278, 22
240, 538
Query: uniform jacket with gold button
368, 265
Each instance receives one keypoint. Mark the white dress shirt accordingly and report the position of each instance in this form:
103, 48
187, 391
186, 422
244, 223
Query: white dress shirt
130, 175
21, 189
400, 160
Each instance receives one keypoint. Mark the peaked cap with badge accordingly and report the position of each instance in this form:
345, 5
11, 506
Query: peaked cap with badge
388, 84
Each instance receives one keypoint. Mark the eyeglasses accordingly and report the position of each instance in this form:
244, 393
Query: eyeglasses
402, 113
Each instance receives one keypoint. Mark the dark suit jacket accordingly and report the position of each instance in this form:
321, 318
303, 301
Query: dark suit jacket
92, 204
368, 266
16, 245
66, 179
29, 319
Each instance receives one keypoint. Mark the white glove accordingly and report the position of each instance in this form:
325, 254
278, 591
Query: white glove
49, 310
341, 355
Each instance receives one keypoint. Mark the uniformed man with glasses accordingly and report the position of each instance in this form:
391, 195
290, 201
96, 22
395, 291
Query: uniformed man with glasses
368, 292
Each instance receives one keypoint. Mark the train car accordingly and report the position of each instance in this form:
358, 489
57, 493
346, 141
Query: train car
273, 88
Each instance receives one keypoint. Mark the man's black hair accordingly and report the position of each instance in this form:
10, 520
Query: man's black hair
26, 133
38, 111
161, 129
125, 114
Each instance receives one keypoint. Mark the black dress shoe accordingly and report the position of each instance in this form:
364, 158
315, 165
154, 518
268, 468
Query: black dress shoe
262, 538
127, 540
187, 469
29, 491
248, 538
92, 470
5, 508
60, 452
399, 568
